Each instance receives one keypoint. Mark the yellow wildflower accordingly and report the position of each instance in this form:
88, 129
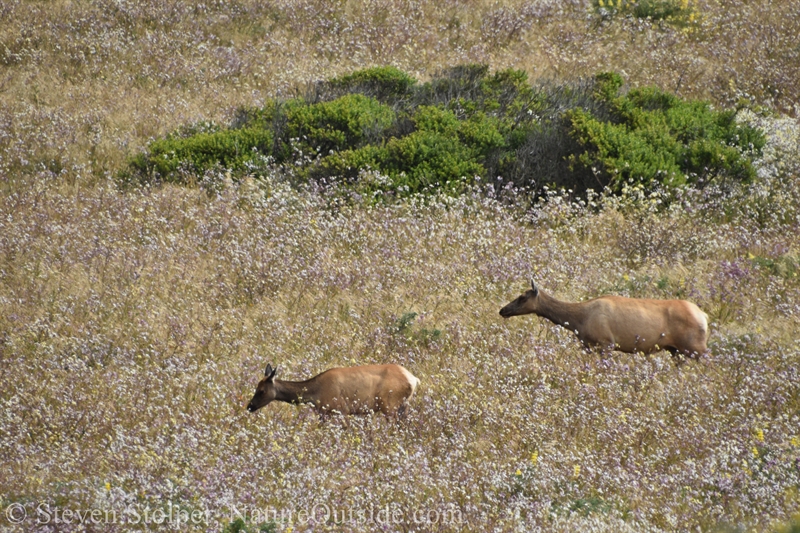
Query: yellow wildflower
760, 435
535, 457
755, 451
518, 472
795, 441
576, 471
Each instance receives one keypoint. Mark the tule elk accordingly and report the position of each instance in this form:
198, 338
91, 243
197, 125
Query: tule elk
353, 390
626, 324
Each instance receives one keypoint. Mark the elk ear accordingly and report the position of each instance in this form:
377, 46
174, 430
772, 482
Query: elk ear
534, 288
272, 375
269, 371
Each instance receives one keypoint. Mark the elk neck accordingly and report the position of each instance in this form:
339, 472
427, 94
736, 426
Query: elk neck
567, 314
296, 391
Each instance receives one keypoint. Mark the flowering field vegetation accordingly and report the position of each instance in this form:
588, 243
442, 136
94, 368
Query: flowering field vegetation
135, 323
135, 327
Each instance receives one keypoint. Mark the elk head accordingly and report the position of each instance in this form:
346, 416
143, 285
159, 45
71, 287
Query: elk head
265, 392
526, 303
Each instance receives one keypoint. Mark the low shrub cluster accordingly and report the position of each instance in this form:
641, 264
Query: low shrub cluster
675, 12
468, 122
178, 158
655, 137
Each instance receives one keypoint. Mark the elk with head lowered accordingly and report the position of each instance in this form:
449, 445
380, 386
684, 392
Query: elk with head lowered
626, 324
353, 390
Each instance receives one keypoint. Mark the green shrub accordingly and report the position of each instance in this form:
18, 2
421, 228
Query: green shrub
539, 141
178, 159
385, 84
428, 158
438, 153
655, 137
675, 12
257, 117
467, 89
347, 122
468, 122
659, 9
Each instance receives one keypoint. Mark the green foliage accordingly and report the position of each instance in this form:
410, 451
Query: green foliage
428, 157
178, 159
607, 85
468, 122
658, 9
587, 506
347, 122
424, 336
257, 117
784, 266
382, 83
676, 12
469, 88
655, 137
441, 150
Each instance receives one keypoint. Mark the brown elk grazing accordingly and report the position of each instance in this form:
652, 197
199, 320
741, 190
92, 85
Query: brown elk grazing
626, 324
353, 390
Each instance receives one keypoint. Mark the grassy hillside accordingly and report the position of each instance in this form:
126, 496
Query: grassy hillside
135, 324
85, 84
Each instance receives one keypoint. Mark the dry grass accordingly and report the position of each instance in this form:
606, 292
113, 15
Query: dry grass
134, 325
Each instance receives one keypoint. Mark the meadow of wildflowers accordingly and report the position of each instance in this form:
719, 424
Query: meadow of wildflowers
135, 324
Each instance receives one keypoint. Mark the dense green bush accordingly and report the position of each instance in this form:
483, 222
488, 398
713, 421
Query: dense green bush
655, 137
387, 84
439, 151
657, 9
675, 12
347, 122
470, 88
468, 122
180, 159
